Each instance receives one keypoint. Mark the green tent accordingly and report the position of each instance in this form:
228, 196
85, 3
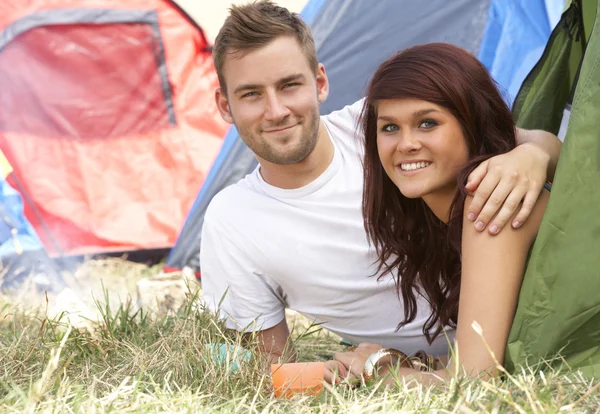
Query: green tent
559, 303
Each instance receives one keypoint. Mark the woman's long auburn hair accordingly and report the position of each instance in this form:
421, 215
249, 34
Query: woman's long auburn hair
421, 252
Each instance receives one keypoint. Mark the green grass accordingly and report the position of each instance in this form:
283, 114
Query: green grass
133, 362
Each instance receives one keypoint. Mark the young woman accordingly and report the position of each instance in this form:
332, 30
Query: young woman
431, 115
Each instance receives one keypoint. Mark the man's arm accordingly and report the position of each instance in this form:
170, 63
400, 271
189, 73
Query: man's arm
506, 182
234, 283
545, 141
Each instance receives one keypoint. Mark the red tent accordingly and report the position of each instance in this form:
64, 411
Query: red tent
107, 116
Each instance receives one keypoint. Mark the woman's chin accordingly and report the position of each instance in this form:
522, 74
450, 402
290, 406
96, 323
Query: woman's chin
411, 189
410, 193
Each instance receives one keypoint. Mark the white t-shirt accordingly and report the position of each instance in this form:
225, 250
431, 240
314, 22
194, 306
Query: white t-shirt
265, 248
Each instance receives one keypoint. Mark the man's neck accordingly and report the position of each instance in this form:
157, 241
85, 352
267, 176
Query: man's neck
304, 172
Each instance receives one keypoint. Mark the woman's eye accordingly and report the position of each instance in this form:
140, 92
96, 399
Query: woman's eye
428, 123
389, 128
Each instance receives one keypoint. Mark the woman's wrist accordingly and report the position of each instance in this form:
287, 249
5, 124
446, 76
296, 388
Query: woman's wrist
381, 362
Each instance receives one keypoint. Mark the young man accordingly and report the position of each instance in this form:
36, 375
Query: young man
291, 233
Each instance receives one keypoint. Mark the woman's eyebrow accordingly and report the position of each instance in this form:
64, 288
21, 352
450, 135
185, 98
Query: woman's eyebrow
424, 112
421, 112
386, 118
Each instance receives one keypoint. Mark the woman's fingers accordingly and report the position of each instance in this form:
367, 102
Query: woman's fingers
335, 372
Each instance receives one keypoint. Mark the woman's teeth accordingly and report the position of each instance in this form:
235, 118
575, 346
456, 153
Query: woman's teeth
414, 166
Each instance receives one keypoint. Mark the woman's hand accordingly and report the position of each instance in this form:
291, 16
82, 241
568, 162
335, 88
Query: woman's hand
501, 183
335, 372
349, 365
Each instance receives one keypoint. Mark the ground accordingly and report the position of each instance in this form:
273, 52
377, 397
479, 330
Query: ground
132, 361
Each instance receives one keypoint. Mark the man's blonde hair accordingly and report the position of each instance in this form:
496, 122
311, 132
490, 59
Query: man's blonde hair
252, 26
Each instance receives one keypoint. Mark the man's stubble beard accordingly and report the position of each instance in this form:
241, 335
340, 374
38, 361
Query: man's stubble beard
304, 147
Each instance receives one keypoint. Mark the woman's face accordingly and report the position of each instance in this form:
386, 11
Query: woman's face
421, 147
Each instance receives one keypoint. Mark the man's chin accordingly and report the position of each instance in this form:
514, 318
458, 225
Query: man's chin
291, 159
288, 156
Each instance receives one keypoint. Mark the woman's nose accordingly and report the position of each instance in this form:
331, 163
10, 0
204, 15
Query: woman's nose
408, 143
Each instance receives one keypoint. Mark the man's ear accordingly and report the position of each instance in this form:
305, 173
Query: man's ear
223, 105
322, 83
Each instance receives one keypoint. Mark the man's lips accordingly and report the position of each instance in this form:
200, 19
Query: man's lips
268, 131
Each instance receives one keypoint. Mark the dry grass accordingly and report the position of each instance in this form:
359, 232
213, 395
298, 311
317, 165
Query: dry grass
132, 362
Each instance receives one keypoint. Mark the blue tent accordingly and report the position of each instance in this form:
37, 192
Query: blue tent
17, 236
354, 36
21, 252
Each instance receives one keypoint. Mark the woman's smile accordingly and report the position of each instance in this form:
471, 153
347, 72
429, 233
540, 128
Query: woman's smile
412, 167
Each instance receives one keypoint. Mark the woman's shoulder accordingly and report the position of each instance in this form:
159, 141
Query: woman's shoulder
526, 232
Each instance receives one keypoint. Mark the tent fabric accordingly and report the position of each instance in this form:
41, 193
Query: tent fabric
515, 37
101, 94
21, 252
108, 119
546, 90
354, 36
345, 30
74, 16
559, 305
233, 162
17, 236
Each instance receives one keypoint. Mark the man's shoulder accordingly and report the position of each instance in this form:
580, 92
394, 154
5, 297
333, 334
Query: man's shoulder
232, 201
349, 115
228, 198
343, 126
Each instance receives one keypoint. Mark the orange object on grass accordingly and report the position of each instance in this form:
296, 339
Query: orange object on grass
298, 378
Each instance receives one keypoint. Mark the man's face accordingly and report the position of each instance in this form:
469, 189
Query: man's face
273, 99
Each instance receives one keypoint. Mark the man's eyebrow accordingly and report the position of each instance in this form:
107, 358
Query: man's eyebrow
291, 78
249, 86
282, 81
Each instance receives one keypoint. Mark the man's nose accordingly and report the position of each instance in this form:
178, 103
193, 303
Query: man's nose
276, 109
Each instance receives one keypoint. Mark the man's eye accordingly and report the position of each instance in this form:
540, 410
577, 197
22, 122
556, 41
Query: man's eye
249, 94
389, 128
289, 85
428, 123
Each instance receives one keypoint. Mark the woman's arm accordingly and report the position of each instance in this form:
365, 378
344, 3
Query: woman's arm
492, 272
